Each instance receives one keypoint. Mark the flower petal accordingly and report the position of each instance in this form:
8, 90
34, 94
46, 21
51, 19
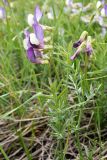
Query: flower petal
37, 53
26, 41
105, 7
39, 34
89, 48
31, 56
77, 44
33, 39
26, 33
2, 13
75, 55
30, 19
37, 14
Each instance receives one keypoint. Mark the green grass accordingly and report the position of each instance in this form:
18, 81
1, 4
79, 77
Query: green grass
73, 98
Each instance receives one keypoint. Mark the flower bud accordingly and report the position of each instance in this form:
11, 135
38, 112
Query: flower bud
79, 50
89, 48
82, 38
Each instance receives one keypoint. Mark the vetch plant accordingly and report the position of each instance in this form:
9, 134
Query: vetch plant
84, 44
81, 39
102, 6
98, 16
34, 43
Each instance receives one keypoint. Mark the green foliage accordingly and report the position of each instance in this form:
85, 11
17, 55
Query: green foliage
66, 91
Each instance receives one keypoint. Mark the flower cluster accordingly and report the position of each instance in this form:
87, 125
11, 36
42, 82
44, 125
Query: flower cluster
34, 43
93, 13
102, 8
77, 7
84, 44
99, 15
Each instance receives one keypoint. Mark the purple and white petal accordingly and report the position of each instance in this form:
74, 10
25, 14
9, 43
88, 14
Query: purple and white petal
38, 54
77, 44
82, 38
33, 39
31, 56
89, 48
2, 13
79, 50
26, 33
37, 14
75, 55
26, 42
105, 8
39, 34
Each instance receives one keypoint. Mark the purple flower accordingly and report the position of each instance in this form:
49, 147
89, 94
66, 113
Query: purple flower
89, 48
82, 38
2, 13
37, 14
85, 46
38, 30
33, 52
105, 8
36, 17
77, 43
34, 42
79, 50
104, 11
